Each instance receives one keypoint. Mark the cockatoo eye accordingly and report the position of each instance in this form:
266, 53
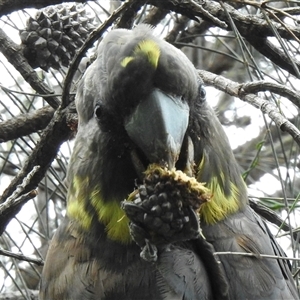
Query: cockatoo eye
98, 111
202, 93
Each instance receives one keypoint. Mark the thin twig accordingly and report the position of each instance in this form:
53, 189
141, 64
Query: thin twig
30, 94
256, 255
36, 261
289, 57
272, 217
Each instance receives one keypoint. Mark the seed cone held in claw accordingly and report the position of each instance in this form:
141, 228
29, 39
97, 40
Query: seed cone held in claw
193, 193
166, 202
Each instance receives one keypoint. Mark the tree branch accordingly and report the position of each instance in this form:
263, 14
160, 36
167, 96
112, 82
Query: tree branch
190, 9
25, 124
263, 86
251, 25
236, 89
127, 18
255, 29
45, 151
247, 24
155, 16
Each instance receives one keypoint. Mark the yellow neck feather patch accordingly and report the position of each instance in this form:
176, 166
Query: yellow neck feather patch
113, 217
76, 210
149, 48
76, 202
108, 213
220, 205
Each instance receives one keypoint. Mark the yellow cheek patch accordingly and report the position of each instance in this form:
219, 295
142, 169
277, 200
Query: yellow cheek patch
76, 210
149, 48
220, 205
109, 213
113, 217
76, 202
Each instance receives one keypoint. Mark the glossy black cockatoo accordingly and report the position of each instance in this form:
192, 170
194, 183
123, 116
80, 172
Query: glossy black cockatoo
142, 103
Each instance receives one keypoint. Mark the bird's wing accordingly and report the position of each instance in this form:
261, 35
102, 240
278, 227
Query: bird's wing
250, 277
69, 272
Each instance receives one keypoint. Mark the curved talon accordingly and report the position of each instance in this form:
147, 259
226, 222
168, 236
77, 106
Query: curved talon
138, 234
133, 211
149, 252
194, 222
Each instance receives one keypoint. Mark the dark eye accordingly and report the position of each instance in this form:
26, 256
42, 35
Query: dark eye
202, 93
98, 111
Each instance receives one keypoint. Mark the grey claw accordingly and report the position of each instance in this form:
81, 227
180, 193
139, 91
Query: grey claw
149, 252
